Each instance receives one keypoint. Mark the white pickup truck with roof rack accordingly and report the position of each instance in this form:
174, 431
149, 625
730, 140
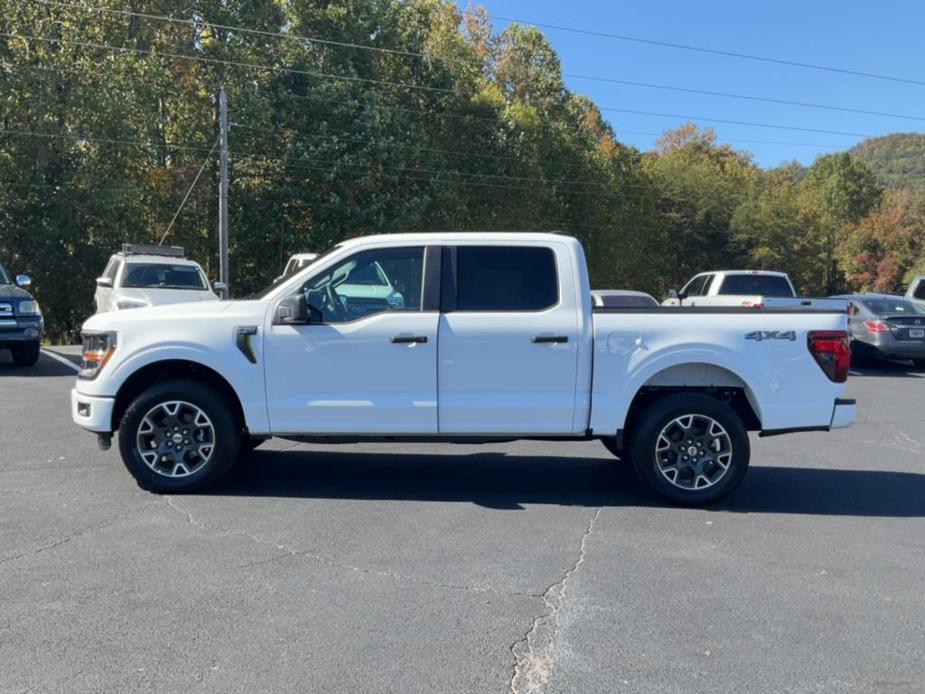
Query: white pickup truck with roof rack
495, 338
745, 289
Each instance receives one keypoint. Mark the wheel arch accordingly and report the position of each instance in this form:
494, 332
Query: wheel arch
184, 369
695, 377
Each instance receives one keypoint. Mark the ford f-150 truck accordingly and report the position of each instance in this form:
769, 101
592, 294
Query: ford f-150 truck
747, 289
495, 339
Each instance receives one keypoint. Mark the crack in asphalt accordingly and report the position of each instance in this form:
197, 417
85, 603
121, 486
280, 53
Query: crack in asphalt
534, 654
64, 540
290, 551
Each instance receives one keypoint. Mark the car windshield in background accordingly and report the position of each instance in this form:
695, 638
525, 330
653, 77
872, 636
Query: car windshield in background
4, 276
163, 276
760, 285
891, 307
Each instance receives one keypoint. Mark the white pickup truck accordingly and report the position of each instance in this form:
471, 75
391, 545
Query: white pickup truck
746, 289
495, 339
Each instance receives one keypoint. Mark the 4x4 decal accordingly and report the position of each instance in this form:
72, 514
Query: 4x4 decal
762, 335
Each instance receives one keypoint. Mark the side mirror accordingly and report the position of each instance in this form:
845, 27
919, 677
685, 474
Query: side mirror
104, 282
294, 310
221, 289
23, 281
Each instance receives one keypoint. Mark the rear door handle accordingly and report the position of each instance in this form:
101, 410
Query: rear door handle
408, 339
549, 339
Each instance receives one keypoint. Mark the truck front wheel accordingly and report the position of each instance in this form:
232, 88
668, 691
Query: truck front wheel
178, 436
26, 354
690, 448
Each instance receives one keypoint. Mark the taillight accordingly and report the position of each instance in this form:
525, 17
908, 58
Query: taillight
877, 326
832, 351
749, 304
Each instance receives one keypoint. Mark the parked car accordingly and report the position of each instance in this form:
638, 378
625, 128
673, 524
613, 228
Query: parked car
141, 276
495, 339
916, 291
622, 298
744, 288
883, 326
21, 322
297, 262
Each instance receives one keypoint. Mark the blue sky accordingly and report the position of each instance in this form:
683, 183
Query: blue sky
885, 37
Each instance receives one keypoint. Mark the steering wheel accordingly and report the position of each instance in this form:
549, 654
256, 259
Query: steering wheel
334, 304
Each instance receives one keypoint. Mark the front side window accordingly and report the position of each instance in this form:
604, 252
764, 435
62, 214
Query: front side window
163, 276
370, 282
502, 278
695, 286
920, 290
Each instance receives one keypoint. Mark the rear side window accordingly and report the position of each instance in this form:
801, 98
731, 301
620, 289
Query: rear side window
762, 285
499, 278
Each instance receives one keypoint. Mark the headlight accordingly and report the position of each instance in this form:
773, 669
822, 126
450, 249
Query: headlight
29, 308
98, 349
131, 303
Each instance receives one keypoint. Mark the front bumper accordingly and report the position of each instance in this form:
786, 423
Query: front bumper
844, 413
91, 412
14, 331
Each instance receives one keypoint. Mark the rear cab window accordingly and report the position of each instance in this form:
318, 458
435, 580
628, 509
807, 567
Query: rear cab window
503, 279
760, 285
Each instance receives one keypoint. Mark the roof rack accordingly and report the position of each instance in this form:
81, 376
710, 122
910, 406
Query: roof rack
143, 249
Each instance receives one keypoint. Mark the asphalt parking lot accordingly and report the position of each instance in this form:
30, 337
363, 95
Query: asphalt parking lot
528, 567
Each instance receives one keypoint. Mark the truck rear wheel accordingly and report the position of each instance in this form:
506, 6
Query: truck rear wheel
690, 448
178, 436
26, 354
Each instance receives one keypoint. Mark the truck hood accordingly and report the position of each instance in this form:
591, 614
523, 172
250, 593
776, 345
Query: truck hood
157, 297
11, 291
177, 314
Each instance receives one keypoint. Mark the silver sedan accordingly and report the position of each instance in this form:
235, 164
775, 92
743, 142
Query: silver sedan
883, 326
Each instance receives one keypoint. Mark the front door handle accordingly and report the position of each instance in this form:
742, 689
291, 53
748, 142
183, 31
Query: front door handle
408, 339
549, 339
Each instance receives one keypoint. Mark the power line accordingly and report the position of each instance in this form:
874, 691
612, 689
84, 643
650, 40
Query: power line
288, 36
406, 85
746, 97
188, 192
713, 51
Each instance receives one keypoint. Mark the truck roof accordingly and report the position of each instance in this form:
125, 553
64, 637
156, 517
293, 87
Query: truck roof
156, 259
774, 273
455, 236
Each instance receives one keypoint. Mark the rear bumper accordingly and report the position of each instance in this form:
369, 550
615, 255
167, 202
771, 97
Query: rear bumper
844, 413
92, 413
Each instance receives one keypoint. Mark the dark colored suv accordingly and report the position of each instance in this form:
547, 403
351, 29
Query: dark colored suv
21, 323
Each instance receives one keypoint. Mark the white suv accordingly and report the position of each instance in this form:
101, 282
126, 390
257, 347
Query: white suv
141, 276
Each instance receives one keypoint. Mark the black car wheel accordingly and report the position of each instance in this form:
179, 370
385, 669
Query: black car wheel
690, 448
178, 436
26, 354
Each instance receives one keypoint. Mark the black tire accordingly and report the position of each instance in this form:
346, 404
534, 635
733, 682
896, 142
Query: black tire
225, 438
26, 354
610, 443
667, 412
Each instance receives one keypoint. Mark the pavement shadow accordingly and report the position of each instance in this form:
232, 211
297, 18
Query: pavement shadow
45, 367
499, 481
891, 369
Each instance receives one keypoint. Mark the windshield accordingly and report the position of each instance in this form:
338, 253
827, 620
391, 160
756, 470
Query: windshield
4, 276
761, 285
163, 276
890, 307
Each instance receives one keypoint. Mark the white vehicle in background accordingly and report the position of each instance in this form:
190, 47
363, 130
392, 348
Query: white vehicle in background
745, 289
916, 291
297, 262
141, 276
494, 338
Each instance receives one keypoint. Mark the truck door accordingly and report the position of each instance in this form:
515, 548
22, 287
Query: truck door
367, 363
509, 334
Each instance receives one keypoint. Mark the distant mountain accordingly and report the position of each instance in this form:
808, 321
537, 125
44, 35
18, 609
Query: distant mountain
898, 160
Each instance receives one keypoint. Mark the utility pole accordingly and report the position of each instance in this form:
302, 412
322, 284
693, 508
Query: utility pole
223, 187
